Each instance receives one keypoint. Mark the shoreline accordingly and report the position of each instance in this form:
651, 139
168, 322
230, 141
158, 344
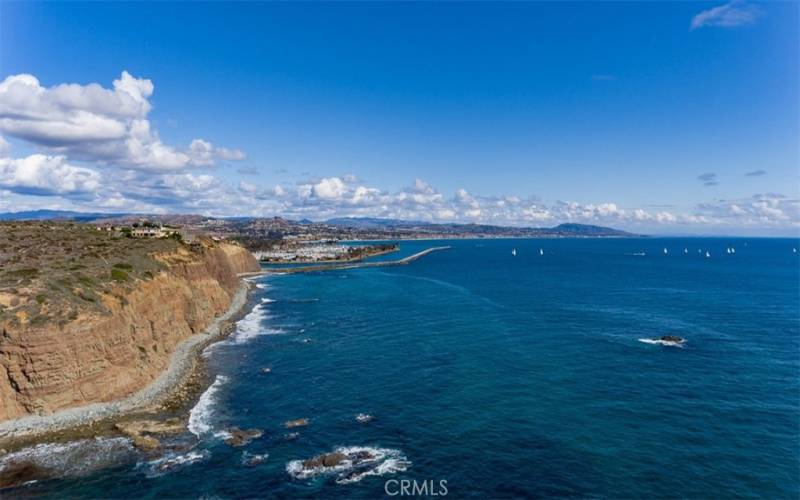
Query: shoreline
333, 267
99, 418
333, 261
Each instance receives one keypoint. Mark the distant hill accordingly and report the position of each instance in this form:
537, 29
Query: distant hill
336, 228
589, 230
372, 222
566, 230
56, 215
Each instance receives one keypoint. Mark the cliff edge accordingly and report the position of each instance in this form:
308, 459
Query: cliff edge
88, 317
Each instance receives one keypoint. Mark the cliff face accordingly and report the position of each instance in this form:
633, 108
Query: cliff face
105, 355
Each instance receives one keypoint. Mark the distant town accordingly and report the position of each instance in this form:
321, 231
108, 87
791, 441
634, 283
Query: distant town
276, 239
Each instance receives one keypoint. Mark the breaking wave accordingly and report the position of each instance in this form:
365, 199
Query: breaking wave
174, 461
668, 343
354, 464
71, 459
200, 415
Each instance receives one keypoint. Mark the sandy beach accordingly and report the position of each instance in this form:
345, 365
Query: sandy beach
30, 429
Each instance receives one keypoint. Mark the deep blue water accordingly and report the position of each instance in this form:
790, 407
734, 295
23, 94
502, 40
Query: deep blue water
509, 376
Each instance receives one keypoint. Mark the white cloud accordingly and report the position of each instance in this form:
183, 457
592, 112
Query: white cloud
770, 209
732, 14
89, 122
46, 175
332, 188
334, 196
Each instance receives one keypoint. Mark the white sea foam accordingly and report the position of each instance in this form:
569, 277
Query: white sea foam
668, 343
359, 462
251, 460
200, 416
74, 458
267, 300
250, 326
171, 462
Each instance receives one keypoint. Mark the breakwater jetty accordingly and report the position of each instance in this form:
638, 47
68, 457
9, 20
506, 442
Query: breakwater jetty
338, 266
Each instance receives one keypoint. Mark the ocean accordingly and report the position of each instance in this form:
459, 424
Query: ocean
503, 376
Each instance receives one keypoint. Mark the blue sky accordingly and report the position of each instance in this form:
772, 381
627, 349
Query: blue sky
639, 114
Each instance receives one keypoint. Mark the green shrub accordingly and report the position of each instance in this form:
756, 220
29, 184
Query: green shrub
85, 280
119, 275
25, 273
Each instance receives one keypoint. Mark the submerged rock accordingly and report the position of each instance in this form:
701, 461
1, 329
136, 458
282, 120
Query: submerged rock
300, 422
350, 464
324, 460
16, 474
239, 437
253, 460
142, 432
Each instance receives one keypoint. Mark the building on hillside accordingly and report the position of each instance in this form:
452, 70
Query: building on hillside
146, 232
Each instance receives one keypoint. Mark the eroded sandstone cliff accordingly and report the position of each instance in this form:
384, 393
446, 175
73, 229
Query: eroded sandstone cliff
124, 340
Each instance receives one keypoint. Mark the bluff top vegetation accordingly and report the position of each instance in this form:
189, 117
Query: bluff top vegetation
50, 272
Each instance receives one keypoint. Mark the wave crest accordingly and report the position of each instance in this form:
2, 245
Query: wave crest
353, 464
200, 415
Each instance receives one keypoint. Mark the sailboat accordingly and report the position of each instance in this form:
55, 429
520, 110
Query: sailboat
728, 250
541, 251
665, 251
685, 250
514, 252
733, 250
707, 254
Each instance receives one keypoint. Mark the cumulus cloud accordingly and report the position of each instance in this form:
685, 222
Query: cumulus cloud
769, 209
708, 179
319, 199
90, 122
729, 15
756, 173
44, 175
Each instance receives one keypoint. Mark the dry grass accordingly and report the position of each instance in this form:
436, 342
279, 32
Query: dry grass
50, 271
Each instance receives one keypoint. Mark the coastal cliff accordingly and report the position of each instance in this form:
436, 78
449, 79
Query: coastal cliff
120, 340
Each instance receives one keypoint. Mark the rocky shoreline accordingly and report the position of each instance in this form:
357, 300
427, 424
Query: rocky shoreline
168, 395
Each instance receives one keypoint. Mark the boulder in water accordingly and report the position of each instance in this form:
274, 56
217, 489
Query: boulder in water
142, 432
239, 437
253, 460
300, 422
16, 474
324, 460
